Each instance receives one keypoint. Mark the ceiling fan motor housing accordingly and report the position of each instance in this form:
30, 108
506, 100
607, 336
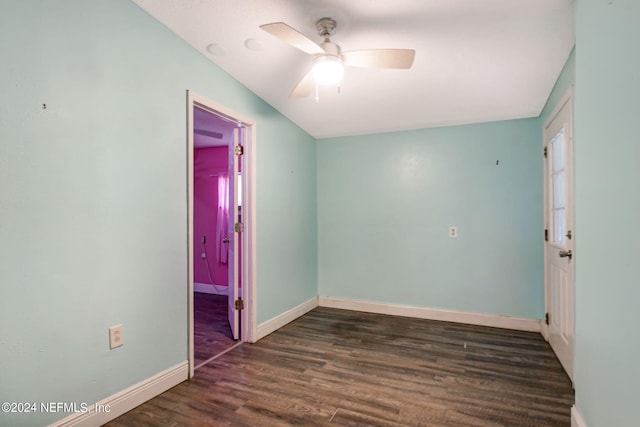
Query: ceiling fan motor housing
326, 27
331, 49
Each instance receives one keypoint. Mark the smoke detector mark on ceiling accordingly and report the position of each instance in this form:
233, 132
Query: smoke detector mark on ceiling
215, 49
253, 44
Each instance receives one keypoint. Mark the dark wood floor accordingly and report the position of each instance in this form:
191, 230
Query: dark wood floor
211, 331
335, 367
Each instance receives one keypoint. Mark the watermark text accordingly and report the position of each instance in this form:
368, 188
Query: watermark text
53, 407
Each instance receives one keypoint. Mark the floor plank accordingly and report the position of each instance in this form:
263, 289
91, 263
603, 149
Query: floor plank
211, 331
337, 367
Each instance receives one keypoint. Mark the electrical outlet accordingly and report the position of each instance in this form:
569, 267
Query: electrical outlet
453, 232
116, 338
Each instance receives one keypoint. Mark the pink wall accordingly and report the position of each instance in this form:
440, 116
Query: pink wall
207, 161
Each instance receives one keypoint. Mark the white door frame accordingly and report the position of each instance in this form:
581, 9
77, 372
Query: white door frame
567, 97
248, 315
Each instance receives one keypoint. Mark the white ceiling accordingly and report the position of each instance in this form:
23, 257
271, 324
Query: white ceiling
476, 60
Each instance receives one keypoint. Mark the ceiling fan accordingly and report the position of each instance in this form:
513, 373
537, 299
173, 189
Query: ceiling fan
329, 60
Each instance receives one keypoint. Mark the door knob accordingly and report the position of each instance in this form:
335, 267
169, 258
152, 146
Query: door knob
225, 240
566, 254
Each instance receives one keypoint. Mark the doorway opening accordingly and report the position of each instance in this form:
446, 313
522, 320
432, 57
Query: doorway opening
221, 230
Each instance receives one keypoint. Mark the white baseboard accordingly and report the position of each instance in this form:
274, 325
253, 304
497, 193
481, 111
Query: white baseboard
127, 399
576, 418
288, 316
208, 288
482, 319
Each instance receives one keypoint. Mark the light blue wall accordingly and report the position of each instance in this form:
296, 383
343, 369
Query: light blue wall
607, 186
566, 78
93, 199
386, 201
287, 226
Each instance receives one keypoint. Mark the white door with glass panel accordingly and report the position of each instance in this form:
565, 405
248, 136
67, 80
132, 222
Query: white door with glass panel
559, 236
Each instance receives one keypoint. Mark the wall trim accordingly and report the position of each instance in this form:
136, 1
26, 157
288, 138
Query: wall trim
275, 323
127, 399
576, 418
207, 288
482, 319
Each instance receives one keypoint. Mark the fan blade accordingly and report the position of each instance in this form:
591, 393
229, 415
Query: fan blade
209, 133
379, 58
304, 87
293, 37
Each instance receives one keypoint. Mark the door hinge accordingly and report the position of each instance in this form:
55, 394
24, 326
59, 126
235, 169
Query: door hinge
545, 152
239, 150
238, 227
239, 304
569, 235
546, 235
546, 318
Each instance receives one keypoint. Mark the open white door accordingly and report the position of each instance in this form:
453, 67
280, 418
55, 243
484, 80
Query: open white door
234, 238
559, 236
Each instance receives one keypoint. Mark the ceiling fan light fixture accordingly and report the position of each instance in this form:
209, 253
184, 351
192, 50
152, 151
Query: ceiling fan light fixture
328, 70
328, 60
